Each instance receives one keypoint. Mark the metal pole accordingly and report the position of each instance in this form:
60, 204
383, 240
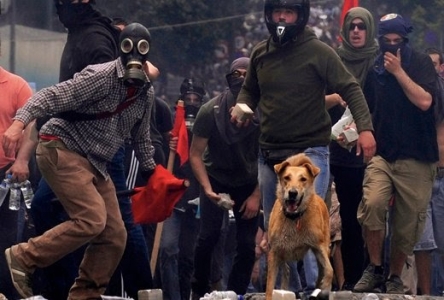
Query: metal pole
49, 10
12, 37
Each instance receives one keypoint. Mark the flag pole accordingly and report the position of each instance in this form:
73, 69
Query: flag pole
159, 227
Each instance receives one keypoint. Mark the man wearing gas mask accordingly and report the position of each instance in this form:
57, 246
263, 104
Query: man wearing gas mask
224, 161
92, 38
96, 111
180, 229
191, 92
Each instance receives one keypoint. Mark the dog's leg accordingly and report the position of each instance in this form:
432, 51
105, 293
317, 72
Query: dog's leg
285, 277
272, 271
325, 275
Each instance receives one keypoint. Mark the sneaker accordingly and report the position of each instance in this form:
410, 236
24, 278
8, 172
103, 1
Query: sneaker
369, 282
394, 285
20, 278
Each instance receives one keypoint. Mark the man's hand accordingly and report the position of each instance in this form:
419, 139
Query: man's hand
173, 142
238, 123
214, 197
19, 171
264, 243
392, 63
366, 145
333, 100
250, 207
11, 138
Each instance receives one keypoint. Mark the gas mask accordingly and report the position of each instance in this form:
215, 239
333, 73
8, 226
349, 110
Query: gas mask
191, 110
134, 43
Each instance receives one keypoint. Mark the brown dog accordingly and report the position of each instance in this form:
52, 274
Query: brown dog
299, 221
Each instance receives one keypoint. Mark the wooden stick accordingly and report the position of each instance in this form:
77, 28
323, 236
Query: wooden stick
159, 227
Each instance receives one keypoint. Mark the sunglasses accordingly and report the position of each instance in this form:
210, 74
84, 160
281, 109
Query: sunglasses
361, 26
237, 73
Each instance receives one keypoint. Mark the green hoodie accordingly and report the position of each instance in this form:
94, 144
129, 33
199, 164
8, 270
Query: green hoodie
288, 85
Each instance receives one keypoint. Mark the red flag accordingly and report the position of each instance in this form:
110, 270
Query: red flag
155, 201
180, 131
346, 6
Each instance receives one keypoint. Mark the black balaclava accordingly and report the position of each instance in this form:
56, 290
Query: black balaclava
228, 131
134, 44
73, 14
235, 84
393, 23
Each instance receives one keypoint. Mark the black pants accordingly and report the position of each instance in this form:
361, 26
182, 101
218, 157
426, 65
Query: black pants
8, 237
349, 190
211, 218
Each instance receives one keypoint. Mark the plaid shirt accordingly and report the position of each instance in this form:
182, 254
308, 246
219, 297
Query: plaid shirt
97, 88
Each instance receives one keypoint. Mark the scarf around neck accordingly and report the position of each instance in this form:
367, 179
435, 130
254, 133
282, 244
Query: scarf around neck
358, 60
228, 131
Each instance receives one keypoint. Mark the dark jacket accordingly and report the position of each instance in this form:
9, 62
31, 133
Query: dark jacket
287, 83
402, 130
93, 41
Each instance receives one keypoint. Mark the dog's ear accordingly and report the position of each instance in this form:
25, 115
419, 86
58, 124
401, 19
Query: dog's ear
280, 167
314, 171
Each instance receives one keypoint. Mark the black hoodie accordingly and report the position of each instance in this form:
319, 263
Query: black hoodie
92, 40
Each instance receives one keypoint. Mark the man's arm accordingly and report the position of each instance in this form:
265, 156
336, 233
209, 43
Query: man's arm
141, 137
151, 70
11, 137
333, 100
353, 95
252, 204
20, 169
198, 145
416, 94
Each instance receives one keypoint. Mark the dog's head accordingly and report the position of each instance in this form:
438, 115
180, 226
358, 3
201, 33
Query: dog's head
296, 176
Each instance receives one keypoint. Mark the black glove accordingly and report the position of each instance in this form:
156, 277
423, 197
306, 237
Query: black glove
146, 174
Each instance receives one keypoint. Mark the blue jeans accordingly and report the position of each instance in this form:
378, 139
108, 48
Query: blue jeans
437, 203
55, 281
176, 254
134, 266
267, 184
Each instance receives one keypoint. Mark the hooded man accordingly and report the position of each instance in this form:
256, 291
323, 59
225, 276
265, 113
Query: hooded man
403, 82
92, 38
224, 161
358, 52
73, 156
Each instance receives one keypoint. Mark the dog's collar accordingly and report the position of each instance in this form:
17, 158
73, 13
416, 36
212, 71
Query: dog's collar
293, 216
